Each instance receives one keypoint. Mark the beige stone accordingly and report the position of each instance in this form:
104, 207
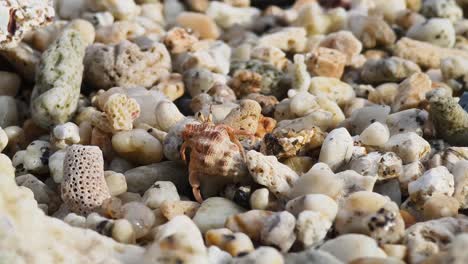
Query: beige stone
326, 62
425, 54
412, 92
202, 24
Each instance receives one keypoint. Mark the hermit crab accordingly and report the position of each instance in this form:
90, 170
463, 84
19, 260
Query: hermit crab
214, 155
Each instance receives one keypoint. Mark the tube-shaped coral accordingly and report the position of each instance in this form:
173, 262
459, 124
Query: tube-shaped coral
449, 118
58, 80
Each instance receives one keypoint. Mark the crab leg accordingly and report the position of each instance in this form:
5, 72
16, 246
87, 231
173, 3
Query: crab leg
193, 178
232, 136
182, 150
195, 183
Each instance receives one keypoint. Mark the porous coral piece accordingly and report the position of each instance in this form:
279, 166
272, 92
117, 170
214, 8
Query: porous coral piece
246, 117
268, 171
178, 40
148, 101
19, 17
427, 238
121, 111
216, 157
265, 126
84, 187
245, 82
58, 82
449, 118
125, 64
52, 239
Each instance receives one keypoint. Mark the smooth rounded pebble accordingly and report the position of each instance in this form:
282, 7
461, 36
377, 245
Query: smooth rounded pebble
352, 246
376, 134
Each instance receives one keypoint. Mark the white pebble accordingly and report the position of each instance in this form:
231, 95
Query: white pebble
353, 246
123, 232
158, 193
115, 182
438, 31
66, 134
320, 203
434, 181
213, 213
303, 103
56, 165
337, 148
311, 228
408, 146
140, 216
278, 230
376, 135
260, 199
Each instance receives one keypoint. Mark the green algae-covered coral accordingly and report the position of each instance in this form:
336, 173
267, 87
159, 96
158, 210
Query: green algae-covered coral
273, 80
449, 118
58, 80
